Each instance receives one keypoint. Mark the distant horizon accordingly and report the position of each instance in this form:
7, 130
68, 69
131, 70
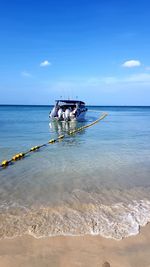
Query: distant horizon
42, 105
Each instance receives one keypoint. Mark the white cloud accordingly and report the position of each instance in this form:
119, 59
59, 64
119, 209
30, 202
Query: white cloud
79, 85
140, 77
45, 63
26, 74
131, 63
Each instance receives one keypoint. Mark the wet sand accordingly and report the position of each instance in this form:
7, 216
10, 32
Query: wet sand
86, 251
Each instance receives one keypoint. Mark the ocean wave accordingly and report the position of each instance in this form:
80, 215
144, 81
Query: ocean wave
110, 221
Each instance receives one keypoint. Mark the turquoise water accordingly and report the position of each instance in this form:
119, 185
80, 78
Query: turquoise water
95, 182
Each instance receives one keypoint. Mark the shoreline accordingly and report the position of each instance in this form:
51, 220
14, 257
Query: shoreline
73, 251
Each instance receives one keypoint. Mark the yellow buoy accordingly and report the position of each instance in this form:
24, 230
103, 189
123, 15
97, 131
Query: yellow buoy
60, 136
51, 141
4, 163
15, 157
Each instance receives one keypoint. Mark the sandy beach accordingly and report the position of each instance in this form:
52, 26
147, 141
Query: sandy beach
86, 251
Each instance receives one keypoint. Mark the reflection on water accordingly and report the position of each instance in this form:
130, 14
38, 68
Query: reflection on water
64, 126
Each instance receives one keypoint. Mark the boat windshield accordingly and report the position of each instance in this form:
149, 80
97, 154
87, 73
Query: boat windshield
69, 103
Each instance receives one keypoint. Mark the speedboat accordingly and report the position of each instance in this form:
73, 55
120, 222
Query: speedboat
68, 110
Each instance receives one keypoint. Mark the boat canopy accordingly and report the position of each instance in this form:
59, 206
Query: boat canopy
71, 101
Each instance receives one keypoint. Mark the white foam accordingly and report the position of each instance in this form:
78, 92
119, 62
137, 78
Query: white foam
115, 221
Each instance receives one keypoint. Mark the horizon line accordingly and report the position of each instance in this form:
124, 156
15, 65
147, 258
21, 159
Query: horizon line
46, 105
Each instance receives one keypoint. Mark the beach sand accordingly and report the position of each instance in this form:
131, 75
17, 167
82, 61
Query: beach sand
86, 251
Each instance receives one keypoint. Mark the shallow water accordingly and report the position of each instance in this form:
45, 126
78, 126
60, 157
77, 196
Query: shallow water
95, 182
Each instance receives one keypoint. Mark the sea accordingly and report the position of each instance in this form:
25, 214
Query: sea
94, 182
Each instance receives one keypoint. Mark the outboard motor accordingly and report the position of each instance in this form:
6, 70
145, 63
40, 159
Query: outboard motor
60, 112
67, 114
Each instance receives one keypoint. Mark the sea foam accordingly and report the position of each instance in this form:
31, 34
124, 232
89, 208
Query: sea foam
110, 221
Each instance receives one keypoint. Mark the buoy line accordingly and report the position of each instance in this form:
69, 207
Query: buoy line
20, 156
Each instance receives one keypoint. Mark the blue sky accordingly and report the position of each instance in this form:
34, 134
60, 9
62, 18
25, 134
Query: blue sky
97, 50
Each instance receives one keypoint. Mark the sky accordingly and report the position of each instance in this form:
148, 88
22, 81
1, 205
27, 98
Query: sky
97, 51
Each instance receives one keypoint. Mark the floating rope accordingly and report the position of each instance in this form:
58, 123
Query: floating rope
20, 156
